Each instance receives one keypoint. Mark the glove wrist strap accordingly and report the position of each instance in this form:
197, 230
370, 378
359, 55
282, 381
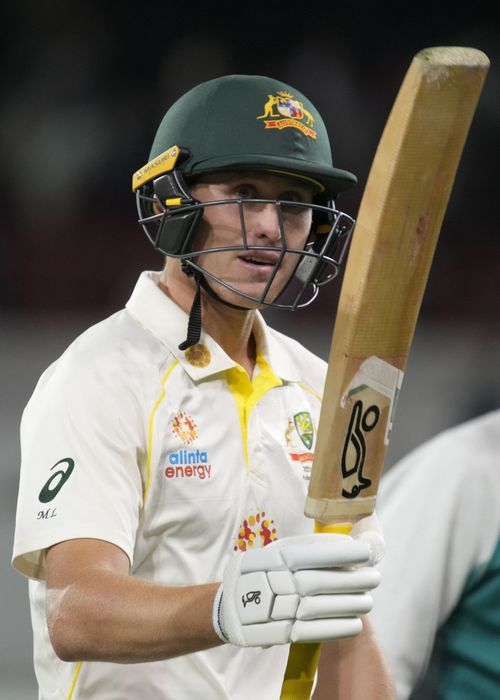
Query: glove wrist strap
216, 616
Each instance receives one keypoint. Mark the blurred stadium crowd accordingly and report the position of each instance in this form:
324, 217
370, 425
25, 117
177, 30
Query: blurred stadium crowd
86, 84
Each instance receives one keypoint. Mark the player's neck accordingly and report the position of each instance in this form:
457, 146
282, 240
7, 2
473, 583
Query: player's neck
230, 328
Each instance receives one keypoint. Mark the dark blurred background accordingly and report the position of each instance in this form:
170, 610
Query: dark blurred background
84, 86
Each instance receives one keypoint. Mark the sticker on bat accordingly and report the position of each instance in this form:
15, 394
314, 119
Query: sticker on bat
371, 397
361, 421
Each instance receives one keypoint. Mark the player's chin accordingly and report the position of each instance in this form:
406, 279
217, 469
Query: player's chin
242, 296
249, 296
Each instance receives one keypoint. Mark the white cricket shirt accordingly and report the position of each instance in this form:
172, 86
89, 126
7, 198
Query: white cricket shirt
179, 459
439, 508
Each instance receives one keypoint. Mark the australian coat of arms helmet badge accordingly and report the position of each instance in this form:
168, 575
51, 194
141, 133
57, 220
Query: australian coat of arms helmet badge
282, 111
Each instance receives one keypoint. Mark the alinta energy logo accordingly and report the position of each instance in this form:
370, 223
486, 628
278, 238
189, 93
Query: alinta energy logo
255, 531
187, 463
282, 111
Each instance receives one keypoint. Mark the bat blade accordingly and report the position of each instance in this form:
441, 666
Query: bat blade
395, 236
393, 244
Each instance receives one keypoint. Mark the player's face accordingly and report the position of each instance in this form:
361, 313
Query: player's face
246, 270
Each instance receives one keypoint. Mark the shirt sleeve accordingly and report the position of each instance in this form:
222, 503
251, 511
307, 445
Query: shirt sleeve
82, 454
440, 514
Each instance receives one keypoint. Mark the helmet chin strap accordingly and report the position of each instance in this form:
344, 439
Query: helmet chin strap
194, 322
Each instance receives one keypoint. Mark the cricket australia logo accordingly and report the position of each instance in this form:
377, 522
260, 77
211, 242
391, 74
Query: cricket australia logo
301, 426
304, 426
282, 111
354, 450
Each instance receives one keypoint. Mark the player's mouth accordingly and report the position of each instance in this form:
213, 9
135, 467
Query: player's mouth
259, 260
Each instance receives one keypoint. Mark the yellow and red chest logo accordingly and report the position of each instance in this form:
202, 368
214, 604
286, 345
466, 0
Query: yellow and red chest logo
255, 531
282, 111
185, 427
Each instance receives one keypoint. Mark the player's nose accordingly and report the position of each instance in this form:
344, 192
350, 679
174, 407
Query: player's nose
265, 223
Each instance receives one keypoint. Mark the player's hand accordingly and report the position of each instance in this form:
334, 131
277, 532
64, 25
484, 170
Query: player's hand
309, 588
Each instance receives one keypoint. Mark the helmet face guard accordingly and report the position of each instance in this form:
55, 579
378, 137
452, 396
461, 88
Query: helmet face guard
246, 123
170, 218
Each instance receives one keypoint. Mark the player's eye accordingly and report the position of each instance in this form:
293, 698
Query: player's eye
293, 203
244, 191
301, 198
157, 207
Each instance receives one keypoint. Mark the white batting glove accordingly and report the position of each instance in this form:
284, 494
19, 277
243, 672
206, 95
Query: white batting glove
368, 530
309, 588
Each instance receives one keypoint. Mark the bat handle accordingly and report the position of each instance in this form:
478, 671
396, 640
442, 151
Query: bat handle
304, 658
339, 528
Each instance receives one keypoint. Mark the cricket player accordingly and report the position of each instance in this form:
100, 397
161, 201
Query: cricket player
166, 453
440, 510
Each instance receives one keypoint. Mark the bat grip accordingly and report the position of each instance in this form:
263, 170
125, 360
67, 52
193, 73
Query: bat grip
304, 657
339, 528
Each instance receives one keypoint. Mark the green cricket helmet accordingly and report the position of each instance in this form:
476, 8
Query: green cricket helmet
243, 123
246, 122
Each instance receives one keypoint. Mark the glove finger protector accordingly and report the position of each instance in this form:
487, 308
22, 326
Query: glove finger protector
304, 588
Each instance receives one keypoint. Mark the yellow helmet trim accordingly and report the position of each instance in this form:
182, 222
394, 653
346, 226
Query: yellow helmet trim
163, 163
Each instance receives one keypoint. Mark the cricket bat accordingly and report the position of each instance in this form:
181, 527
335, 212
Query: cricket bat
395, 236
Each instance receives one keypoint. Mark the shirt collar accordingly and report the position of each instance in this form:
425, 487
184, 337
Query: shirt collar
168, 322
269, 345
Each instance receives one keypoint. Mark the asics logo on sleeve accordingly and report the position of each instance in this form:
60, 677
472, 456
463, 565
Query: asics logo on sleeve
57, 480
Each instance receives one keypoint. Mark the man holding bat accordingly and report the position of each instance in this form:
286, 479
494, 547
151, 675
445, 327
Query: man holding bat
166, 454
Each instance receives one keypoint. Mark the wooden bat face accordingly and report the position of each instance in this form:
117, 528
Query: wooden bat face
398, 225
395, 236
